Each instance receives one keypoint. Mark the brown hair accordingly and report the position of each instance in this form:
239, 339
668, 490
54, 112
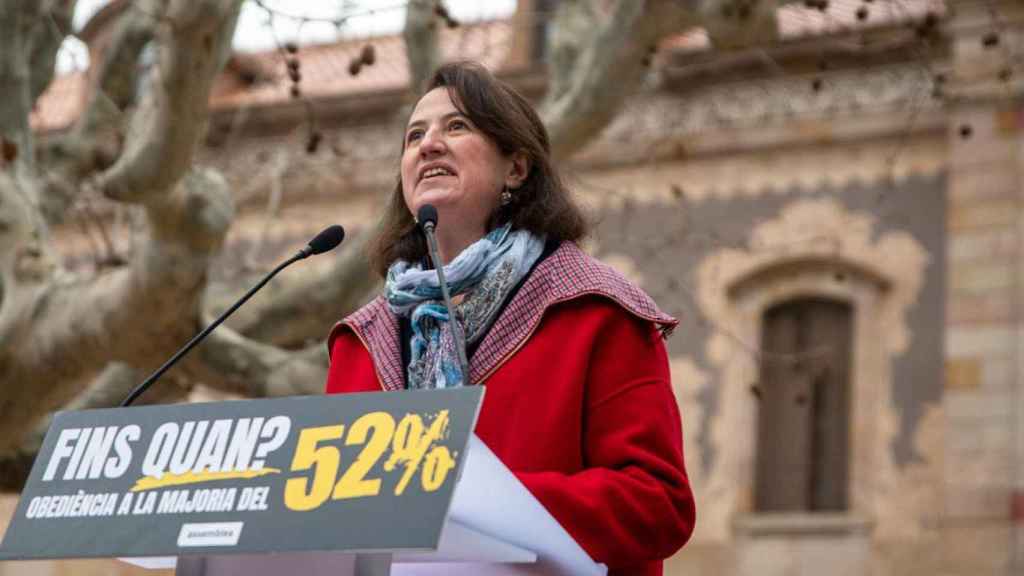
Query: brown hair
542, 203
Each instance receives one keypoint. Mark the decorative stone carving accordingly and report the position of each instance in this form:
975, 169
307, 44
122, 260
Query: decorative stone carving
882, 278
773, 101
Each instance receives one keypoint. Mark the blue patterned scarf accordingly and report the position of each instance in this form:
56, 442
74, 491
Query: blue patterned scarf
483, 273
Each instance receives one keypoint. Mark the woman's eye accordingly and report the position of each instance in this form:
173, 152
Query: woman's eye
413, 135
457, 125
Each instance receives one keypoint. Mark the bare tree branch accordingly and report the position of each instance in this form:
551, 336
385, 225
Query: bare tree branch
58, 333
593, 78
307, 307
107, 391
118, 72
30, 34
229, 362
277, 166
194, 41
226, 362
570, 25
421, 41
17, 19
18, 237
95, 140
599, 56
110, 387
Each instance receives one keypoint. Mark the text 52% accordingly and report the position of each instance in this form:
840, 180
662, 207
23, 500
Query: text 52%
414, 446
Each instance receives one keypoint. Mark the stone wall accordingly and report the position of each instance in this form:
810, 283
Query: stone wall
982, 399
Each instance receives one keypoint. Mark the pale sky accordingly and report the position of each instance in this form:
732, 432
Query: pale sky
254, 32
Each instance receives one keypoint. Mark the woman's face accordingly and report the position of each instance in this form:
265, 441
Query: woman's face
450, 163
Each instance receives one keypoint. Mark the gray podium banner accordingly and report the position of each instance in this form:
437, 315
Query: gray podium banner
354, 472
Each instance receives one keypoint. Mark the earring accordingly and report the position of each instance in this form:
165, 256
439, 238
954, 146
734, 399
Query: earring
506, 196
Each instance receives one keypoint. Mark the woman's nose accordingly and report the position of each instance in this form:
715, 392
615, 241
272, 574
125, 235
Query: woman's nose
433, 143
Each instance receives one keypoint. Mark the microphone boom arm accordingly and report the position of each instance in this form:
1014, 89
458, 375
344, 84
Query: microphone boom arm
324, 241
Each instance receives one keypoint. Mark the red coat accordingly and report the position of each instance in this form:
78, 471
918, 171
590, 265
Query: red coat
578, 405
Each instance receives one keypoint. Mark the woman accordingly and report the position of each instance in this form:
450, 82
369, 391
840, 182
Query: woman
578, 403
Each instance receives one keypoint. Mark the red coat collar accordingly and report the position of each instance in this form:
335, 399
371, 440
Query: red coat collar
566, 274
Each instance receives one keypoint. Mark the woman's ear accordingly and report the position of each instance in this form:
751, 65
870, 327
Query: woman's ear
518, 170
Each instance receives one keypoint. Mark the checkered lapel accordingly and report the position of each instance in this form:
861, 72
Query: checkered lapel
566, 274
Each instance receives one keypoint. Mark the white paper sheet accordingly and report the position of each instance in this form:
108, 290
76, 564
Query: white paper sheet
461, 544
491, 500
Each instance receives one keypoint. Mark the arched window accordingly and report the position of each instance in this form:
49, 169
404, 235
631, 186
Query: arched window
851, 297
803, 444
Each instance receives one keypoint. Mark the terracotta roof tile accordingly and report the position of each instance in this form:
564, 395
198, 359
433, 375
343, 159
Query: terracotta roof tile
261, 78
325, 68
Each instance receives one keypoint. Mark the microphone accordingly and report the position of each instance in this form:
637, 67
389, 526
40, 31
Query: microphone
427, 218
326, 240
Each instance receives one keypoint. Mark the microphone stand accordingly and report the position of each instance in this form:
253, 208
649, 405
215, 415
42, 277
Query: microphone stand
326, 240
460, 338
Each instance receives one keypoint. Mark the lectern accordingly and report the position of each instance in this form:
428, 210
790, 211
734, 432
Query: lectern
363, 484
